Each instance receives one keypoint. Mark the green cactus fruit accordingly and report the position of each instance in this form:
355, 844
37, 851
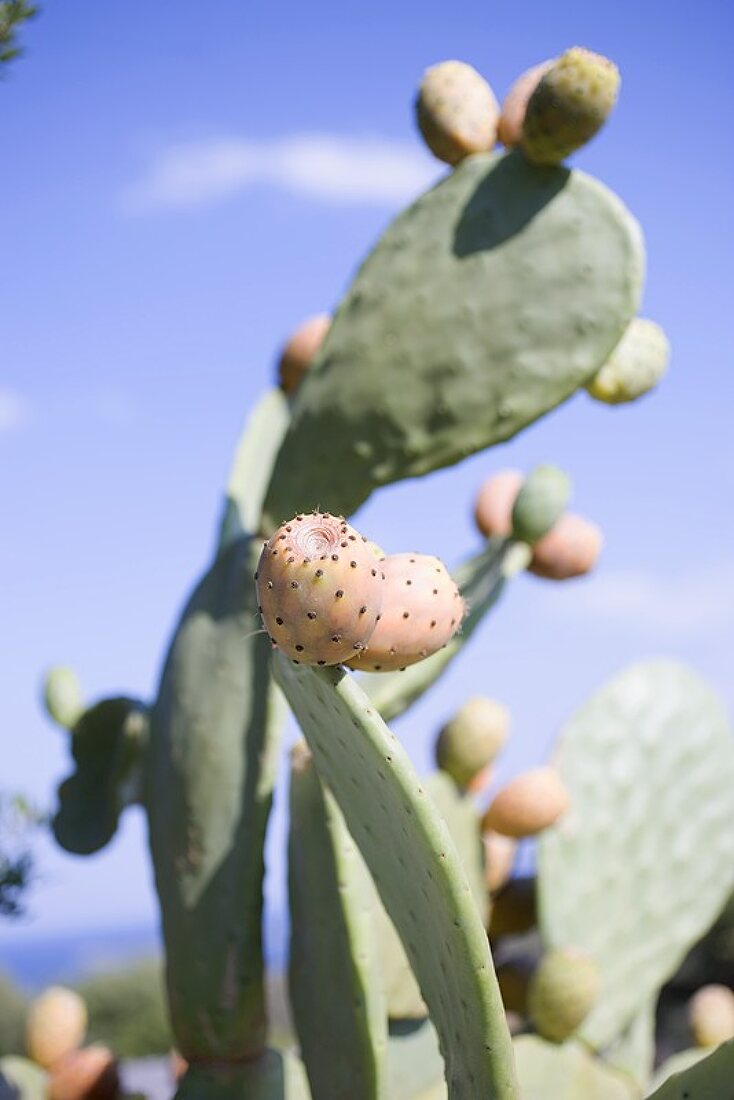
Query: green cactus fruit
514, 105
636, 365
711, 1015
320, 591
211, 762
457, 111
251, 468
422, 609
565, 1072
55, 1025
21, 1079
540, 503
91, 1073
570, 104
416, 869
493, 506
562, 992
300, 350
62, 696
570, 549
528, 804
108, 745
706, 1078
486, 304
336, 993
639, 760
481, 581
471, 741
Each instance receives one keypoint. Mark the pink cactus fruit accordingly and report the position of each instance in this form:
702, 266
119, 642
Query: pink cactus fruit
493, 507
515, 103
530, 803
570, 549
87, 1074
320, 589
711, 1015
457, 111
55, 1025
499, 859
422, 610
300, 350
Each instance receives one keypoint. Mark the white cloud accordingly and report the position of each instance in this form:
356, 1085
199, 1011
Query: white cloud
682, 606
326, 167
14, 411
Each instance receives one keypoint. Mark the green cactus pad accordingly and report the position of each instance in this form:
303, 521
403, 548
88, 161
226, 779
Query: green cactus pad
566, 1072
414, 1061
710, 1078
108, 745
404, 1000
210, 773
414, 863
253, 463
640, 865
274, 1075
335, 987
21, 1079
481, 581
633, 1050
485, 304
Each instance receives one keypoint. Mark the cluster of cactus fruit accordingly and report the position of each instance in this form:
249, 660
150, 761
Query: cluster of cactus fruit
497, 295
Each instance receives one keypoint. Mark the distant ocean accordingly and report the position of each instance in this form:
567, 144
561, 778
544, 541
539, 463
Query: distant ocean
35, 962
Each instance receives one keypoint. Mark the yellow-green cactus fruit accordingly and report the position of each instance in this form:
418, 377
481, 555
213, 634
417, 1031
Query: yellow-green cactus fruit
562, 992
711, 1015
470, 742
457, 111
56, 1025
636, 365
62, 696
570, 104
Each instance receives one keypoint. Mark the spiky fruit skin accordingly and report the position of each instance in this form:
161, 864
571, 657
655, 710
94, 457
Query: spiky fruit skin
300, 350
55, 1025
570, 549
636, 365
540, 503
87, 1074
711, 1015
562, 992
472, 739
570, 104
529, 804
499, 857
493, 506
457, 111
320, 589
514, 105
422, 610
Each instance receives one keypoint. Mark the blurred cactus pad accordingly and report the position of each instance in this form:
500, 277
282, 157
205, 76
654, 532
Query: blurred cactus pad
492, 299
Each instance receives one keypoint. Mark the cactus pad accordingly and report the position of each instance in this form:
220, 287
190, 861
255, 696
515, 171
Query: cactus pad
639, 867
274, 1075
414, 1060
566, 1072
487, 303
416, 869
709, 1078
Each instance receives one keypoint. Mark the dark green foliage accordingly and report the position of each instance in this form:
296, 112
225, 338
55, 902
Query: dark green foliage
13, 1006
127, 1010
17, 821
12, 14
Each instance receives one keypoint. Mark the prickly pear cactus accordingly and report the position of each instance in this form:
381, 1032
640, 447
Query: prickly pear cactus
414, 1061
484, 305
566, 1072
380, 796
274, 1075
639, 866
710, 1078
21, 1079
636, 365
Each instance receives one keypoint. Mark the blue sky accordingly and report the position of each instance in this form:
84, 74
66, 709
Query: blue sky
177, 194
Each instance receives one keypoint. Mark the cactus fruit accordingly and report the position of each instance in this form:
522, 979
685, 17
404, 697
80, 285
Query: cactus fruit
422, 609
540, 503
570, 549
470, 742
62, 696
87, 1074
514, 105
457, 111
320, 589
562, 992
570, 104
636, 365
711, 1015
55, 1025
300, 351
528, 805
493, 506
499, 858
